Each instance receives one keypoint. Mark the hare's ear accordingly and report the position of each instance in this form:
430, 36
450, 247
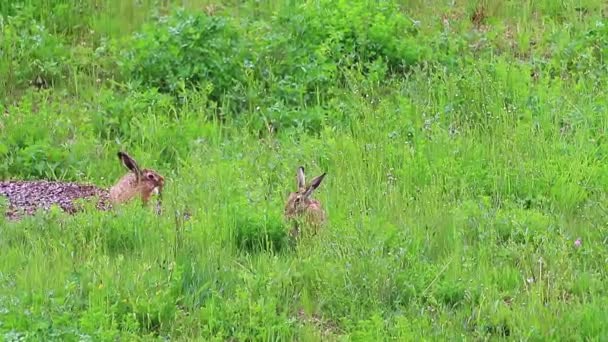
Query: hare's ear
129, 163
314, 184
301, 178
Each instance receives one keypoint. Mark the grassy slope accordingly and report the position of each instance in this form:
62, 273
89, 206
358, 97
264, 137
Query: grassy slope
444, 223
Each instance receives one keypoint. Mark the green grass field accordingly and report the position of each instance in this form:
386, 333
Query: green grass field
464, 141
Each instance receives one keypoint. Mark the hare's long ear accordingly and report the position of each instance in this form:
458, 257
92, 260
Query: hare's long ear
129, 163
301, 178
314, 184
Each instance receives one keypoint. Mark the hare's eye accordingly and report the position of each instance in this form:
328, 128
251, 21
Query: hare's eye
151, 176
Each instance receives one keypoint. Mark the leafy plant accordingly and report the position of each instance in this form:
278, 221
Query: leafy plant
260, 232
32, 55
184, 51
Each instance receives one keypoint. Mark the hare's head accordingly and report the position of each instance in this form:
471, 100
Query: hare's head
301, 202
142, 182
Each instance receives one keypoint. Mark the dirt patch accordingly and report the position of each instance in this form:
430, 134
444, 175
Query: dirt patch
27, 197
325, 327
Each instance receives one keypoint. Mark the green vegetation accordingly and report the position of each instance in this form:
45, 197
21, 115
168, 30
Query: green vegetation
464, 143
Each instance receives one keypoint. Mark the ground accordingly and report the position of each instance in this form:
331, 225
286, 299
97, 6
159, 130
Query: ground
464, 144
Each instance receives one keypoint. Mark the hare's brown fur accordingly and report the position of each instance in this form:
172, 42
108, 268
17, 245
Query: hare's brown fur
142, 182
301, 208
128, 187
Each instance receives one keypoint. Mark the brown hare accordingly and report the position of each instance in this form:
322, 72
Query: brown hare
26, 197
301, 209
138, 182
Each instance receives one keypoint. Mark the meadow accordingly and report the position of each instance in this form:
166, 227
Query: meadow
465, 145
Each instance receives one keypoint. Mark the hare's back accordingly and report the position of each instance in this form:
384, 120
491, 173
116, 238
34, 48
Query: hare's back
125, 189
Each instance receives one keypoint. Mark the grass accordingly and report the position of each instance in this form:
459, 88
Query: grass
465, 155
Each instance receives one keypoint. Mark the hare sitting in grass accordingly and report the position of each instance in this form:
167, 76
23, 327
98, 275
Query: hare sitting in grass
142, 182
29, 196
301, 209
